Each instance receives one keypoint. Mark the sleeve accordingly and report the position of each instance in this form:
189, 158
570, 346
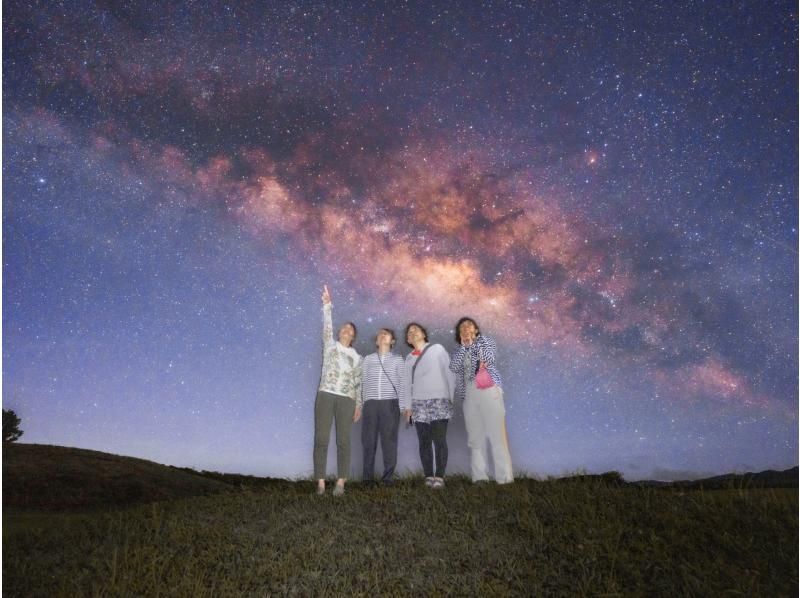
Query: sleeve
327, 326
357, 372
405, 398
457, 360
401, 379
365, 365
449, 376
487, 349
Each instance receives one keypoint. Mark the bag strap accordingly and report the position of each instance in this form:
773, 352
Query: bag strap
388, 378
416, 363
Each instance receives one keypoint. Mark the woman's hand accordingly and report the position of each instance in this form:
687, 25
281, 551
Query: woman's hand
407, 415
357, 415
326, 295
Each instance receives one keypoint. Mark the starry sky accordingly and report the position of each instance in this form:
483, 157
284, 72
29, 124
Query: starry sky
608, 188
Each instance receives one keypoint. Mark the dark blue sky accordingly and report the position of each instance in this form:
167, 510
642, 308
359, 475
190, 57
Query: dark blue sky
610, 190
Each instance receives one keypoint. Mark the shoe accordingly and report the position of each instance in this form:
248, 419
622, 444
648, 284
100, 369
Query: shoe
368, 484
388, 483
438, 483
338, 490
429, 482
320, 490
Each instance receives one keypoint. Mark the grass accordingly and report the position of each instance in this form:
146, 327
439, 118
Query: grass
584, 537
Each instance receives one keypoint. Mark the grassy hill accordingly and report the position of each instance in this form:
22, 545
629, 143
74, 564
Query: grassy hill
48, 477
589, 535
40, 476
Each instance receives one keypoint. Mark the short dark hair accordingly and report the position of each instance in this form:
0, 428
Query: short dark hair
460, 322
421, 327
391, 333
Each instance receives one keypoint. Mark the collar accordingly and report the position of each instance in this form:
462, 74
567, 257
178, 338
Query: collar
418, 352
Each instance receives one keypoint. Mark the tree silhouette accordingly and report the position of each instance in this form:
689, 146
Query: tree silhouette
11, 431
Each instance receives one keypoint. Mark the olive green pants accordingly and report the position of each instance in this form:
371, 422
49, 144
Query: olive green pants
327, 408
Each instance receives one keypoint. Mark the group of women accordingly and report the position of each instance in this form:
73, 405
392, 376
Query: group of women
384, 388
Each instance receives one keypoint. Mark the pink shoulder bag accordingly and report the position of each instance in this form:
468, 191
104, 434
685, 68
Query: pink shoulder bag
482, 378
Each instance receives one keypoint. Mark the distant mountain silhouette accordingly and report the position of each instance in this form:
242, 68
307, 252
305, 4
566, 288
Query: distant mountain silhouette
770, 478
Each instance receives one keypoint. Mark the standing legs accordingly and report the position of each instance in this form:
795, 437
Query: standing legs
369, 437
323, 417
345, 408
389, 423
425, 437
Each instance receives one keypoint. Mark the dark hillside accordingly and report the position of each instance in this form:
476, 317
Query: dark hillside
40, 476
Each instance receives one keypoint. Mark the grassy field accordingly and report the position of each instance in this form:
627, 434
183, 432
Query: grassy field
579, 537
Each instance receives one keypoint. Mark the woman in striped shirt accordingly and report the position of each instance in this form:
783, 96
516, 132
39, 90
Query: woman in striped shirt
381, 388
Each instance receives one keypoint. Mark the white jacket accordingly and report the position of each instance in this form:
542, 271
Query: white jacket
432, 378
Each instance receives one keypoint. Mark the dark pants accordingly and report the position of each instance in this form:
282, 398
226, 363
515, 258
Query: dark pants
327, 408
434, 433
380, 418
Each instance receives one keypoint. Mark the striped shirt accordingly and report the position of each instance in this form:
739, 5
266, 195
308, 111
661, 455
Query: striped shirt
380, 385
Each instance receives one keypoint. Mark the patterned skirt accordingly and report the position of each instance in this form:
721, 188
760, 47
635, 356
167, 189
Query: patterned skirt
431, 409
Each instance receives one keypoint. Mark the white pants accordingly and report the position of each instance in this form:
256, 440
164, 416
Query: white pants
485, 419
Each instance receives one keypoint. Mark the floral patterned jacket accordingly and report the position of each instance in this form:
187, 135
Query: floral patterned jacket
341, 366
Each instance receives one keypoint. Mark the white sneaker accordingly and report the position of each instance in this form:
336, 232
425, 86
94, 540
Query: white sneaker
429, 482
438, 483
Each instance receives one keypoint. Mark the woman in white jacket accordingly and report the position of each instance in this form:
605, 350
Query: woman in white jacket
428, 400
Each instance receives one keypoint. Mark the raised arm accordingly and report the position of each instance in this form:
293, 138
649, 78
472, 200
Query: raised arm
327, 319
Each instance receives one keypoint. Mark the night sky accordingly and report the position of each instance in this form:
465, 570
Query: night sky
609, 188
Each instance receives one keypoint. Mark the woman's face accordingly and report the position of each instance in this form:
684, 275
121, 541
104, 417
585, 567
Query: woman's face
415, 335
467, 330
383, 340
346, 334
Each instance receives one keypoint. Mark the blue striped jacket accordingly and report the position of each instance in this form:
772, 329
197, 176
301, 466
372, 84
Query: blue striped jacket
375, 386
483, 349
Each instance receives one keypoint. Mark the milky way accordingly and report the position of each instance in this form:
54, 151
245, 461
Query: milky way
610, 190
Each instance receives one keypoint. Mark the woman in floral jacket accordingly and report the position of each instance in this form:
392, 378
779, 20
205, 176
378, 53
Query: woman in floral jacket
339, 387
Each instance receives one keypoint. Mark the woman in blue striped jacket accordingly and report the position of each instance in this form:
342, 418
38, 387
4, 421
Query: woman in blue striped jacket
382, 386
484, 409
